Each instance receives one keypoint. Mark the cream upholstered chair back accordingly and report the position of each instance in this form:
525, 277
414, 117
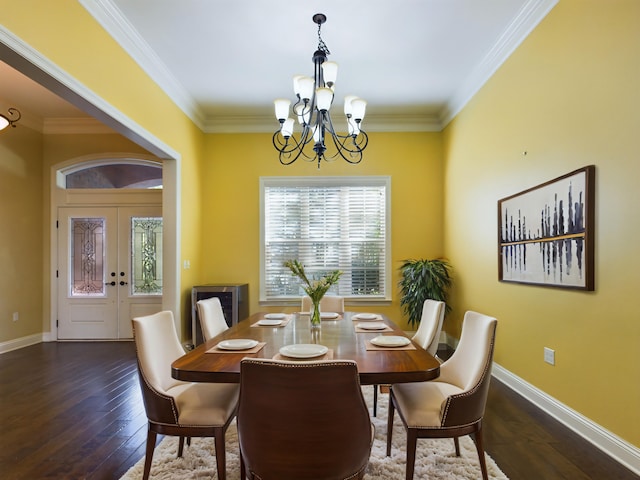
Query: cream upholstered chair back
453, 404
211, 317
472, 357
173, 407
157, 346
428, 334
329, 303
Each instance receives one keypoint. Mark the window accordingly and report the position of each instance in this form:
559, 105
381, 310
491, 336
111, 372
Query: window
115, 174
327, 223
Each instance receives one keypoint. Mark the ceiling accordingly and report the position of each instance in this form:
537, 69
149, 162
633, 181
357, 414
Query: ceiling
223, 62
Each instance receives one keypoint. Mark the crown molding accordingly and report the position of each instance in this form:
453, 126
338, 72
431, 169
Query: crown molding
522, 25
111, 18
115, 23
374, 123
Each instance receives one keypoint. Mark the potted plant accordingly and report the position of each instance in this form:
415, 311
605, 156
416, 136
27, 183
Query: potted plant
423, 279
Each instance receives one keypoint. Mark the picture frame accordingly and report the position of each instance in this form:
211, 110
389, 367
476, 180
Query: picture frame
546, 233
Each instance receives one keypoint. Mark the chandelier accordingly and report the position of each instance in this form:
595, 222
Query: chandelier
311, 109
6, 121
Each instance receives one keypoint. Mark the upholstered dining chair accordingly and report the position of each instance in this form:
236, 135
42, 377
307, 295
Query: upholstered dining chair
453, 404
427, 336
302, 420
211, 317
174, 407
329, 303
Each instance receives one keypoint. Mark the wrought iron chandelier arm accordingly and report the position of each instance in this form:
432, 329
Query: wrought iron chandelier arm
350, 147
290, 148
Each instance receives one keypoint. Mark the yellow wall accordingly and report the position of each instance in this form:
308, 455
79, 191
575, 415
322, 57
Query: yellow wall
569, 96
69, 37
231, 201
21, 233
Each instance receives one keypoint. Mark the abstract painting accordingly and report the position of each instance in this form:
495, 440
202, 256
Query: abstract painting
546, 233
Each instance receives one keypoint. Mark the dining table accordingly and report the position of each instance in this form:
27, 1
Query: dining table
384, 354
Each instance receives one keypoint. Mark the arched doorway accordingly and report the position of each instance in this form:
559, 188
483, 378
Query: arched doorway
37, 67
108, 245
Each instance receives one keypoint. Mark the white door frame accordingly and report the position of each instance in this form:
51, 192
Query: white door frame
60, 197
33, 64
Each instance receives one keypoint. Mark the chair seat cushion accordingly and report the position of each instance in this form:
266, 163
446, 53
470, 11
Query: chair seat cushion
421, 403
205, 404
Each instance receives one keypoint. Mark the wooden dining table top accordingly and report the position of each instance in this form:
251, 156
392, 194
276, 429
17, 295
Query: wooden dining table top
376, 366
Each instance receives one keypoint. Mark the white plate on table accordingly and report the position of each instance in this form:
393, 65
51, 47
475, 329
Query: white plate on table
237, 344
365, 316
329, 315
274, 316
372, 326
268, 322
390, 341
303, 350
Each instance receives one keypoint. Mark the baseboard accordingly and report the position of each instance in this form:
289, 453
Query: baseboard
621, 451
618, 449
21, 342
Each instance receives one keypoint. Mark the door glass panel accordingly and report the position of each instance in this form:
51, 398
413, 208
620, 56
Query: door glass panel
87, 257
146, 255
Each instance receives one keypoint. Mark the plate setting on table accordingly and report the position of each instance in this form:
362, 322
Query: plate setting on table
269, 322
329, 315
237, 344
390, 341
365, 316
275, 316
372, 326
303, 350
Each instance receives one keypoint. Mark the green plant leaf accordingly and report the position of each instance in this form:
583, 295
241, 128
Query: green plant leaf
422, 279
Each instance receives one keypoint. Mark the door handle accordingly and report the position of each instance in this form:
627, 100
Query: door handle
122, 282
113, 284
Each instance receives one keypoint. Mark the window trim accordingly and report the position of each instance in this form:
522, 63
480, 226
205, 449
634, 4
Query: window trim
329, 181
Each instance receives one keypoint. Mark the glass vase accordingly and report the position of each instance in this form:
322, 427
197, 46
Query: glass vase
314, 315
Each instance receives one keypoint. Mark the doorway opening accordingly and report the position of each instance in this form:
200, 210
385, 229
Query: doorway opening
107, 244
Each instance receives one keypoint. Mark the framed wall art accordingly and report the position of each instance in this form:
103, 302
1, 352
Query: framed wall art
546, 233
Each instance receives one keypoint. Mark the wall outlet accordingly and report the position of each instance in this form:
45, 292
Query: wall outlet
16, 316
549, 356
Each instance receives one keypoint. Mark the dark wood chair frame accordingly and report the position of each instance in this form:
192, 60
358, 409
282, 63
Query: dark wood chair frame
162, 414
462, 416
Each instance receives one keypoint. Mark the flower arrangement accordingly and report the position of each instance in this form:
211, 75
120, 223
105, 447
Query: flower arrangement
314, 288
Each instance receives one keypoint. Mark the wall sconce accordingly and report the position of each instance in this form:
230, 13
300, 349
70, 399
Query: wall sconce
11, 119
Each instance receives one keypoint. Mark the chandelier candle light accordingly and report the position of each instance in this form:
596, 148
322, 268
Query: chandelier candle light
314, 99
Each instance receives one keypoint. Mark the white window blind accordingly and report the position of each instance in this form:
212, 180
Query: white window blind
326, 223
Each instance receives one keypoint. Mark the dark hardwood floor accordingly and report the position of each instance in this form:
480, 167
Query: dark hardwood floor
74, 411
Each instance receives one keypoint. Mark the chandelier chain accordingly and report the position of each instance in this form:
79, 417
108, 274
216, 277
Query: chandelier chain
321, 45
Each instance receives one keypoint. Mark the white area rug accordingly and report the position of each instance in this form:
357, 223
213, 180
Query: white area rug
435, 459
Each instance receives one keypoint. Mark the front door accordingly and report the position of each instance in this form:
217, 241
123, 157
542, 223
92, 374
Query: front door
109, 270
